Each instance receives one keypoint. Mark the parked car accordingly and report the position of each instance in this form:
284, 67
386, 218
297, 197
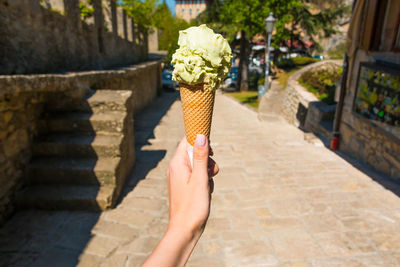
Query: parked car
233, 73
166, 81
318, 57
230, 80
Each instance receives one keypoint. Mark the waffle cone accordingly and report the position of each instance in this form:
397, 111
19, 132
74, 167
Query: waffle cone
197, 105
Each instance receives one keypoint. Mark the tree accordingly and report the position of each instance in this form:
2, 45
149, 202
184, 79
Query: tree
313, 24
142, 11
169, 27
150, 13
247, 17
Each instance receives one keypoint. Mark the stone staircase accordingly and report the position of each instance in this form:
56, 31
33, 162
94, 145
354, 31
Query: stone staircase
83, 154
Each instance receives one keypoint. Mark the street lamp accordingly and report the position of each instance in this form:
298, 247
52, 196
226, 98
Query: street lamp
269, 26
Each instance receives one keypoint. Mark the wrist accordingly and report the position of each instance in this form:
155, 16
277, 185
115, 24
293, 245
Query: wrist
175, 247
186, 233
183, 226
182, 241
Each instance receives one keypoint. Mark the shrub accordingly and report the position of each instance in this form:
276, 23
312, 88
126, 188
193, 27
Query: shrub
86, 11
322, 82
253, 80
302, 61
289, 63
285, 63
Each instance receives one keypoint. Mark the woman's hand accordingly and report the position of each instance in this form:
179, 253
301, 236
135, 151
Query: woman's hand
189, 200
190, 189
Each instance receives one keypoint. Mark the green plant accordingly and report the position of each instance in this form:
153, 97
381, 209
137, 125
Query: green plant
57, 11
322, 83
285, 63
247, 97
86, 11
284, 77
302, 61
289, 63
254, 77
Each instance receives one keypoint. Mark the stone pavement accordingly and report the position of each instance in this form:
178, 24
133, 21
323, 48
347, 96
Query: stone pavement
278, 201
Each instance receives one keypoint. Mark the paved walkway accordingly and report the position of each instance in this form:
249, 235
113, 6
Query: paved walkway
278, 201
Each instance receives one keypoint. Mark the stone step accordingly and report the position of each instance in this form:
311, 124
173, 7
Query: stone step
84, 171
82, 145
55, 197
109, 100
110, 122
98, 101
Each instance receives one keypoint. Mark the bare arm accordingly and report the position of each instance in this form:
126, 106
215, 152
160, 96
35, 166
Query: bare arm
189, 201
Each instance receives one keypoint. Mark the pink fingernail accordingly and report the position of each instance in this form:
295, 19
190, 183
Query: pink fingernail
200, 140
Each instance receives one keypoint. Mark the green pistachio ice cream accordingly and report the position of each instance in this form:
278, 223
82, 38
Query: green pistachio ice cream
202, 57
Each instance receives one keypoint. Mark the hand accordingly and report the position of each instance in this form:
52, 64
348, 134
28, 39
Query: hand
189, 203
190, 190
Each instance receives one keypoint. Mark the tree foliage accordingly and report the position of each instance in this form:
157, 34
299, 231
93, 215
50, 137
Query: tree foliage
298, 20
142, 11
149, 14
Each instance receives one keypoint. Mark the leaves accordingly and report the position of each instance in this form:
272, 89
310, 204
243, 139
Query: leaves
296, 20
142, 11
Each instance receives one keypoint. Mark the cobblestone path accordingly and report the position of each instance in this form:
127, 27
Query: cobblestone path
278, 201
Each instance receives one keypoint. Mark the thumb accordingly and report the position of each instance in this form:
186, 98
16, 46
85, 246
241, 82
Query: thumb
200, 155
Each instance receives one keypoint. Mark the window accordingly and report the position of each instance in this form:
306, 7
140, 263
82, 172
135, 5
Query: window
183, 10
378, 96
190, 11
198, 11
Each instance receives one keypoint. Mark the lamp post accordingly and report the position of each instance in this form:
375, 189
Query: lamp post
269, 26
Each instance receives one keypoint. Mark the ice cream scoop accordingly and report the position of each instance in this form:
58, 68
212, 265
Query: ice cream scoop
202, 57
201, 62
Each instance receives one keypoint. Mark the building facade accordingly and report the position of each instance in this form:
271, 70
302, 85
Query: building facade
369, 124
190, 9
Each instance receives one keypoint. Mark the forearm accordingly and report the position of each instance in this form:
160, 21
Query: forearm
174, 248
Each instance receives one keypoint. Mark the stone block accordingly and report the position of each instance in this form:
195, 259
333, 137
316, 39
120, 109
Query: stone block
115, 230
291, 244
143, 245
15, 143
116, 260
88, 260
100, 246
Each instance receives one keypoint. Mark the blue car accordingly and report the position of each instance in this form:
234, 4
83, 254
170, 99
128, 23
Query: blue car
166, 81
231, 78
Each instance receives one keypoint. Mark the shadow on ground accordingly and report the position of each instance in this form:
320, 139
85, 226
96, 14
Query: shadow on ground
59, 238
145, 123
384, 180
326, 124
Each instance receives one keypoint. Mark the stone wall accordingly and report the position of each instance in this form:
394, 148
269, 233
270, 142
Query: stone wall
24, 97
42, 37
302, 108
362, 138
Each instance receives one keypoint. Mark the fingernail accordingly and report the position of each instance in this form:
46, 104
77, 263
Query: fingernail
200, 140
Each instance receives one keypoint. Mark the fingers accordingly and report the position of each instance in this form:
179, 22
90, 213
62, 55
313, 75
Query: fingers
211, 186
181, 156
181, 149
211, 152
213, 168
200, 156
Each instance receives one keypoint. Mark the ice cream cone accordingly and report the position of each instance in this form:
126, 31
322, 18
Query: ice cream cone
197, 104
